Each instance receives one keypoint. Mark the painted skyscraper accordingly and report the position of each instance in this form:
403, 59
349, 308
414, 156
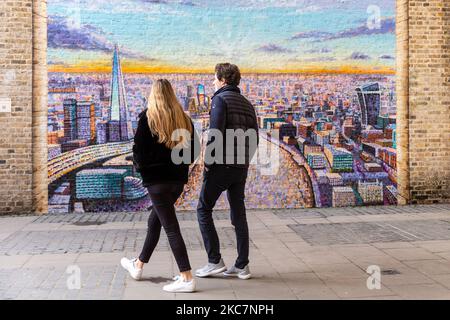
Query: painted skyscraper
201, 96
70, 119
369, 97
119, 126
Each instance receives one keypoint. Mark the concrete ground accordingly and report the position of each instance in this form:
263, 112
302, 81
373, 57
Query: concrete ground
295, 254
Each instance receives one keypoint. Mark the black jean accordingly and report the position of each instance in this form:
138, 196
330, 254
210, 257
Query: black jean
163, 214
215, 181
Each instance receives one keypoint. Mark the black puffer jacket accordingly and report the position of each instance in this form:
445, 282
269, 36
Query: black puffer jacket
153, 159
232, 111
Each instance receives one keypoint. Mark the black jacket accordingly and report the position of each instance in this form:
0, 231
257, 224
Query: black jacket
153, 159
231, 110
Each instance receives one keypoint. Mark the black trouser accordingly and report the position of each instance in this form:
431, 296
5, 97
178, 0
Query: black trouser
163, 198
216, 180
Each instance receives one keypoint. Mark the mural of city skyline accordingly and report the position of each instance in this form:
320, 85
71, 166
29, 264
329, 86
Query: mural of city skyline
320, 74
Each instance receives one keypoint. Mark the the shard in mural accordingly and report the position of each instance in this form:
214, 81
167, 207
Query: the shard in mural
120, 128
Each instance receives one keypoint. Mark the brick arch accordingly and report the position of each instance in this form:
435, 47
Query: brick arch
40, 106
402, 93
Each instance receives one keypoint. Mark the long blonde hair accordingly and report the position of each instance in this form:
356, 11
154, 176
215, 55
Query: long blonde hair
165, 114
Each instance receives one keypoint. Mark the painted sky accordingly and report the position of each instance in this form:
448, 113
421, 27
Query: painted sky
193, 35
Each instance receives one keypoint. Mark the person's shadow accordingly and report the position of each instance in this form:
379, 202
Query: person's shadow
156, 279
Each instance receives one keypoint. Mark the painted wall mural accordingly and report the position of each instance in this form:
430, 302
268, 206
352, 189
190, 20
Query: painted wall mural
320, 73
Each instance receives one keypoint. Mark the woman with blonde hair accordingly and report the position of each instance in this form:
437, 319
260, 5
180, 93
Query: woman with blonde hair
157, 138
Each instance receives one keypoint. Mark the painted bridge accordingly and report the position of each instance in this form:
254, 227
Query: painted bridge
72, 160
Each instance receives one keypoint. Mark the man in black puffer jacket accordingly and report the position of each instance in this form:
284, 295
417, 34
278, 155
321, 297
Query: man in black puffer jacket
232, 143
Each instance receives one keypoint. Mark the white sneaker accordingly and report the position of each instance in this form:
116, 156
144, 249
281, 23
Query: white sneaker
211, 269
130, 266
234, 271
179, 285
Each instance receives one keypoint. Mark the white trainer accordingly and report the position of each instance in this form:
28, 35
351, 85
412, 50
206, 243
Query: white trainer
179, 285
130, 266
211, 269
234, 271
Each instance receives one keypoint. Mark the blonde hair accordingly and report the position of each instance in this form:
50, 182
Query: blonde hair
165, 114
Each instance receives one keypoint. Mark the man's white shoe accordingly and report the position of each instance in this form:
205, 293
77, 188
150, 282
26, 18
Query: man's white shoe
234, 271
130, 266
180, 285
211, 269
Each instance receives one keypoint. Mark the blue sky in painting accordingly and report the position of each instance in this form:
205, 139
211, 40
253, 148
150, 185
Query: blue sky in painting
198, 33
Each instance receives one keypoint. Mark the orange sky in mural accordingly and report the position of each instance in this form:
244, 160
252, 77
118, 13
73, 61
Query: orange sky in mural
137, 67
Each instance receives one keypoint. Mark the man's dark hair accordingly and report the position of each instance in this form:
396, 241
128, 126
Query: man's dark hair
229, 73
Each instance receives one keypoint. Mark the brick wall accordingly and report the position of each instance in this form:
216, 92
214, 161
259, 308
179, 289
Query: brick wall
423, 103
429, 101
16, 83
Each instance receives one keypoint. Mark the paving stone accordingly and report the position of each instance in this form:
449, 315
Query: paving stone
369, 232
307, 286
312, 258
404, 254
91, 241
110, 217
339, 271
430, 267
324, 258
434, 246
442, 279
355, 288
367, 210
422, 291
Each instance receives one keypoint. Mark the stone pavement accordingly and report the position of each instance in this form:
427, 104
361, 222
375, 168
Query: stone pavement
295, 254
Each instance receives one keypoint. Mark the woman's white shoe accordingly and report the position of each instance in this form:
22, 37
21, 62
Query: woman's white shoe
130, 266
180, 285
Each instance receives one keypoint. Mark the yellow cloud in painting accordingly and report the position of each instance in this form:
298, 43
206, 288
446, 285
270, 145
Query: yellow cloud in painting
132, 66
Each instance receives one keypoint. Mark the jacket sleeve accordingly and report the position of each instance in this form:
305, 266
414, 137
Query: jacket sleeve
195, 144
217, 121
138, 145
256, 128
218, 116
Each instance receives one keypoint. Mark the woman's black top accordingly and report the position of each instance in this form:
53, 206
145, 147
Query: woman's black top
153, 159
